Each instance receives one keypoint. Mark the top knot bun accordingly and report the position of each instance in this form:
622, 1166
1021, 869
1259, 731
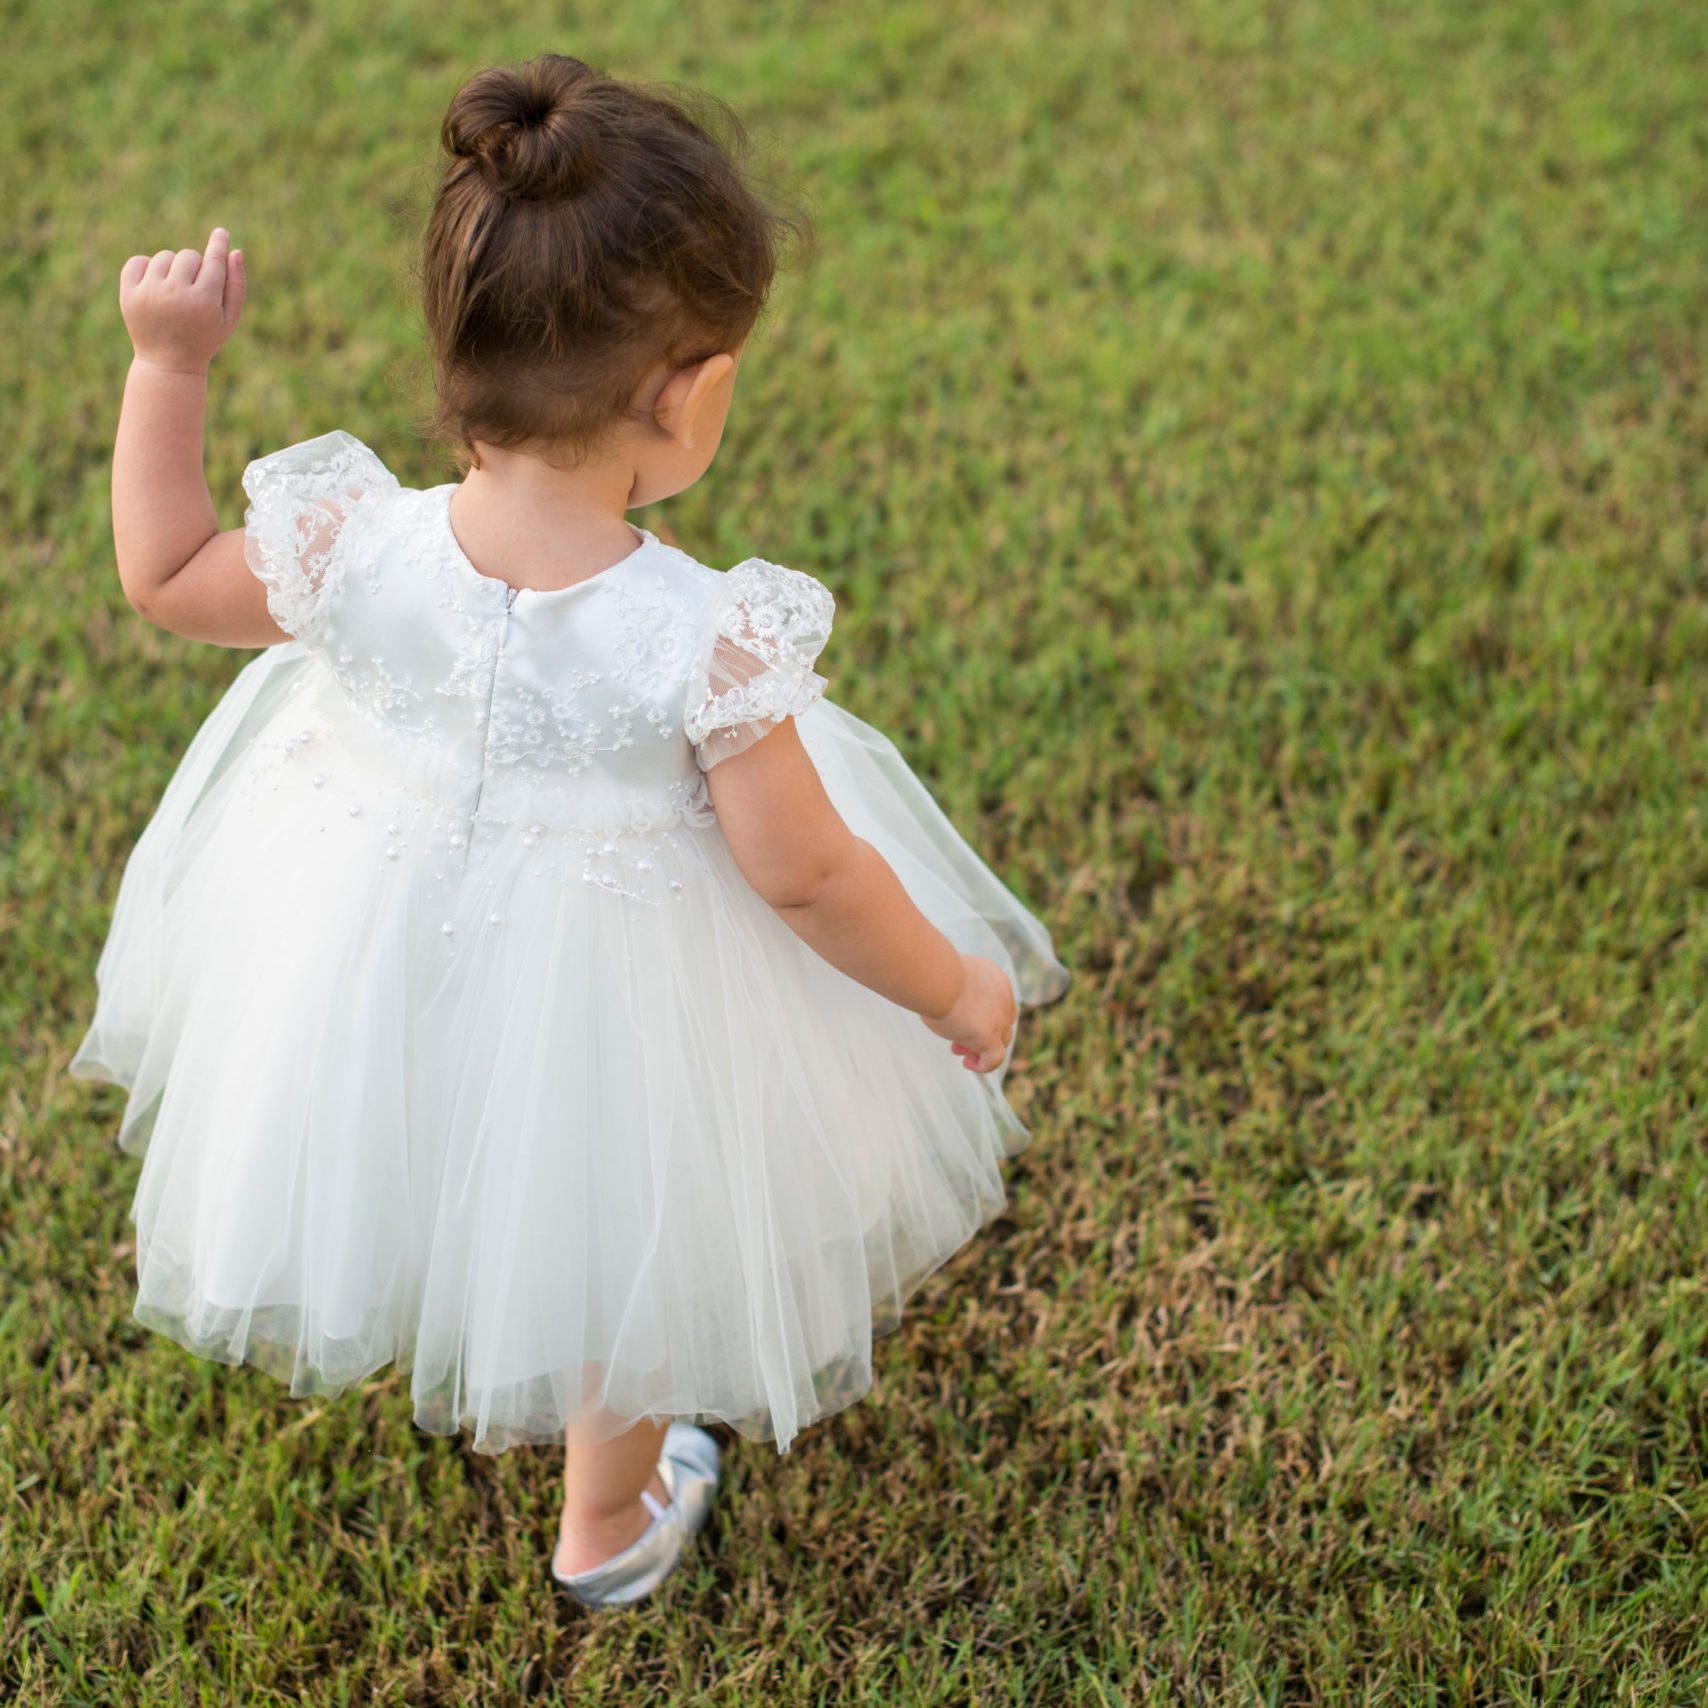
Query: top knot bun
527, 130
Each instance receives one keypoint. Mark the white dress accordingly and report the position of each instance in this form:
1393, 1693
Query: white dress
454, 1037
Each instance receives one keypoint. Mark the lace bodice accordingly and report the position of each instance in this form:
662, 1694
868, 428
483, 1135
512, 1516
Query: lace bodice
592, 706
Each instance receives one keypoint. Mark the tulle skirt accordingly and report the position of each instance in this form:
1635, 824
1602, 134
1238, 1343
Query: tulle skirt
556, 1153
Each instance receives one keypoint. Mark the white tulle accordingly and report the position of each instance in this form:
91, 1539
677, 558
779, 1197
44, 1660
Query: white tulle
453, 1037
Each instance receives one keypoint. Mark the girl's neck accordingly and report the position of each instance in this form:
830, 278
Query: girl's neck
522, 520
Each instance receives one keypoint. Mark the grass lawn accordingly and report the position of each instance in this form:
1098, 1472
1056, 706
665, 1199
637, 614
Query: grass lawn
1259, 455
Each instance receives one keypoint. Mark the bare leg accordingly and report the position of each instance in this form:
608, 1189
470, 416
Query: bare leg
602, 1483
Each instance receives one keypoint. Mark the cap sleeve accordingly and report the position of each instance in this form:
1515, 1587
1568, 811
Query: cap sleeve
299, 500
765, 627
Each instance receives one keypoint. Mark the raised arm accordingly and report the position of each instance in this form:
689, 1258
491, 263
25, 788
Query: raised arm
176, 567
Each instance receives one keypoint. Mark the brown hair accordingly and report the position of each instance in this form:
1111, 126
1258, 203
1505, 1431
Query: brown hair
585, 230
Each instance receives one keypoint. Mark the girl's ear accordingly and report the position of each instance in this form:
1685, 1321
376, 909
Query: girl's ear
681, 402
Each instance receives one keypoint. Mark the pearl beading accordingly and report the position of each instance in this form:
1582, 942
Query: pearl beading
645, 856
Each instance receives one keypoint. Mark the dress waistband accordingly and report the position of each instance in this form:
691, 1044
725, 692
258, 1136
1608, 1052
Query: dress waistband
522, 797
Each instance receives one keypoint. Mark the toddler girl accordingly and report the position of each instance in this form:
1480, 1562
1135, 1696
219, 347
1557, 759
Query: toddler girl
528, 977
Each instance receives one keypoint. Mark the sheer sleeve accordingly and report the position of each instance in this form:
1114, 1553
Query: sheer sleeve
299, 500
765, 627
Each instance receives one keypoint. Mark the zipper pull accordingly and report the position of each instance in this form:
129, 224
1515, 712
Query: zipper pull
510, 596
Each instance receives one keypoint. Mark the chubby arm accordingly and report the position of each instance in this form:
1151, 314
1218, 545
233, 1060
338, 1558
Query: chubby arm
176, 566
841, 898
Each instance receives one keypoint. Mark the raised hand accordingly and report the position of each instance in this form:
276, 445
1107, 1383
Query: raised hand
180, 306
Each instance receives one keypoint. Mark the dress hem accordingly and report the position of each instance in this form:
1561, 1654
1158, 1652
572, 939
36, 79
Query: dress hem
278, 1361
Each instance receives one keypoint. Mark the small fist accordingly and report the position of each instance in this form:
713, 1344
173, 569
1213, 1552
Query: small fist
179, 307
980, 1024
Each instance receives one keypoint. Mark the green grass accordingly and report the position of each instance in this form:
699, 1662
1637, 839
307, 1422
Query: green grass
1259, 454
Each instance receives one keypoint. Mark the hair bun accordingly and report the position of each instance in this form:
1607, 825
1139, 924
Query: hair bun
531, 137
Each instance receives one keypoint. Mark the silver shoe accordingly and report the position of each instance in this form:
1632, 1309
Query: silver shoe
688, 1468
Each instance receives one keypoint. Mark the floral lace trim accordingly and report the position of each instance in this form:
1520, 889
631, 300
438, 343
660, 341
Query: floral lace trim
769, 626
299, 500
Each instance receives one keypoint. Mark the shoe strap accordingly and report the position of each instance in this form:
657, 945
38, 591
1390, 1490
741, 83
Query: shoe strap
653, 1504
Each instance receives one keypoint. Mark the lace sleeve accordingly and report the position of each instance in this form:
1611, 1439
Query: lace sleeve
299, 499
766, 626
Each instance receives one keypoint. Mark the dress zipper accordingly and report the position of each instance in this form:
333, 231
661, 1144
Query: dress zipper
491, 694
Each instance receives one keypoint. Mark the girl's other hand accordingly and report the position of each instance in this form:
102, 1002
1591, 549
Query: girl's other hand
180, 307
980, 1022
